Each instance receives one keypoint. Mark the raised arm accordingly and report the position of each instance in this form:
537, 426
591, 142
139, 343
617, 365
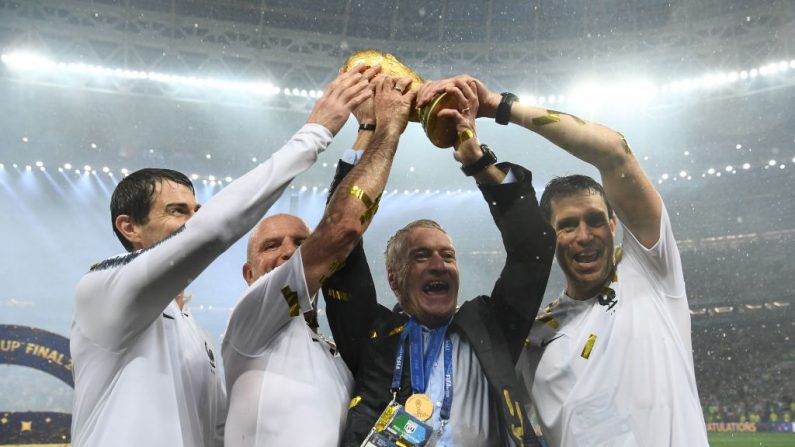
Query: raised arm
628, 189
350, 295
123, 295
355, 200
528, 239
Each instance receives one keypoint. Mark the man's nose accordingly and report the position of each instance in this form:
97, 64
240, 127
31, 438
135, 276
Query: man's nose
288, 248
584, 233
436, 263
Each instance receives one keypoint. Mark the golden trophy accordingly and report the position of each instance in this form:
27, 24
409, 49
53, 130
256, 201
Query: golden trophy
441, 131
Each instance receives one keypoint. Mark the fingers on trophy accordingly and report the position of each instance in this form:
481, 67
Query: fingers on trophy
441, 130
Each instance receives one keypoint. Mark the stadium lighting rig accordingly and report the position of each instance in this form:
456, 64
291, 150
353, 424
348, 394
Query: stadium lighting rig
31, 62
594, 94
681, 175
590, 94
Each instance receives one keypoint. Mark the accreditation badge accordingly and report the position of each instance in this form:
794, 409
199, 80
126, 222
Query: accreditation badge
397, 428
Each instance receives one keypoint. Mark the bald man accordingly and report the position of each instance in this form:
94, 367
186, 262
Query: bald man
287, 385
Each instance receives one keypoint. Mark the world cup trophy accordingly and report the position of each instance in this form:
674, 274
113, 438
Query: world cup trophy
441, 131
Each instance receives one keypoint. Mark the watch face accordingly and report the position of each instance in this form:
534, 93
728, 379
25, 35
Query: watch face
486, 160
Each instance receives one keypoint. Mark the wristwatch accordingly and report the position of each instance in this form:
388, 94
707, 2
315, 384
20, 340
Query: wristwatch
503, 115
485, 161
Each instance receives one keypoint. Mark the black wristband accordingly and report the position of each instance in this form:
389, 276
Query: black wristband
366, 126
485, 161
503, 115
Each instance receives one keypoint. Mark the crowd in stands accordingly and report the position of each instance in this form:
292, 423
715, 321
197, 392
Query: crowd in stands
745, 366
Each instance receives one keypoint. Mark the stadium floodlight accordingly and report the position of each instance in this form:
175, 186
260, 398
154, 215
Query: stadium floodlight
26, 61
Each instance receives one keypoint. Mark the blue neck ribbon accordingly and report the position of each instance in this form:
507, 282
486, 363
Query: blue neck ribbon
422, 362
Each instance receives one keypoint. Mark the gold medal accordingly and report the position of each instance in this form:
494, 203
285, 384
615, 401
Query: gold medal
420, 406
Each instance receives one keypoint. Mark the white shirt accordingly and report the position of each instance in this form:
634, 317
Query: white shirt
286, 385
144, 373
637, 386
472, 408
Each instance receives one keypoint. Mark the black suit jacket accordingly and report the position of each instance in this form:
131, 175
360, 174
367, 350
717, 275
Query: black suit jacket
495, 326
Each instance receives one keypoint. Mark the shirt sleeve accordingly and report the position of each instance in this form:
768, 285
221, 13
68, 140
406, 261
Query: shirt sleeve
266, 306
121, 296
662, 261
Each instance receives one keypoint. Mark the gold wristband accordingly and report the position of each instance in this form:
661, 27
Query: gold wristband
361, 195
372, 206
370, 212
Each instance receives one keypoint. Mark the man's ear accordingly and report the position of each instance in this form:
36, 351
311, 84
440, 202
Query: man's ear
613, 225
393, 283
128, 229
248, 275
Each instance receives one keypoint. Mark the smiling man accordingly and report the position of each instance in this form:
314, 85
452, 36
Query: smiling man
287, 384
427, 362
609, 362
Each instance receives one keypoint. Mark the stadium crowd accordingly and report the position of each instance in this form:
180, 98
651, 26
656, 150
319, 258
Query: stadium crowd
744, 366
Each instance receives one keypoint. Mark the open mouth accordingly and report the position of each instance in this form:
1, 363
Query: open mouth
586, 257
435, 287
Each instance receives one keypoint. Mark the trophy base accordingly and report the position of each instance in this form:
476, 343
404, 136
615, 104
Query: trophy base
441, 131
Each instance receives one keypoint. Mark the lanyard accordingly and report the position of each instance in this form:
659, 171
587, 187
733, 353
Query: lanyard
421, 370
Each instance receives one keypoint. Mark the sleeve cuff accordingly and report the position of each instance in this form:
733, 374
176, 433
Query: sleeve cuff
323, 135
509, 177
352, 156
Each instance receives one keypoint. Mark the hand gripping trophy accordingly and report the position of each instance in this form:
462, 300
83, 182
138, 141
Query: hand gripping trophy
441, 131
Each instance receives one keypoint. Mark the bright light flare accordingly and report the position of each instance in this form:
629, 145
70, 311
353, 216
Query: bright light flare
26, 61
596, 94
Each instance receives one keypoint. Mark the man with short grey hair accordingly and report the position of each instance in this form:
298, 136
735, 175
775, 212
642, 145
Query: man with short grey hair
429, 373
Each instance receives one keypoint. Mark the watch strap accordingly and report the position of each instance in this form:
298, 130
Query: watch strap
503, 115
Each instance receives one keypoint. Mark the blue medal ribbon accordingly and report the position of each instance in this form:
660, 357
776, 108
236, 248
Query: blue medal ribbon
447, 402
421, 370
